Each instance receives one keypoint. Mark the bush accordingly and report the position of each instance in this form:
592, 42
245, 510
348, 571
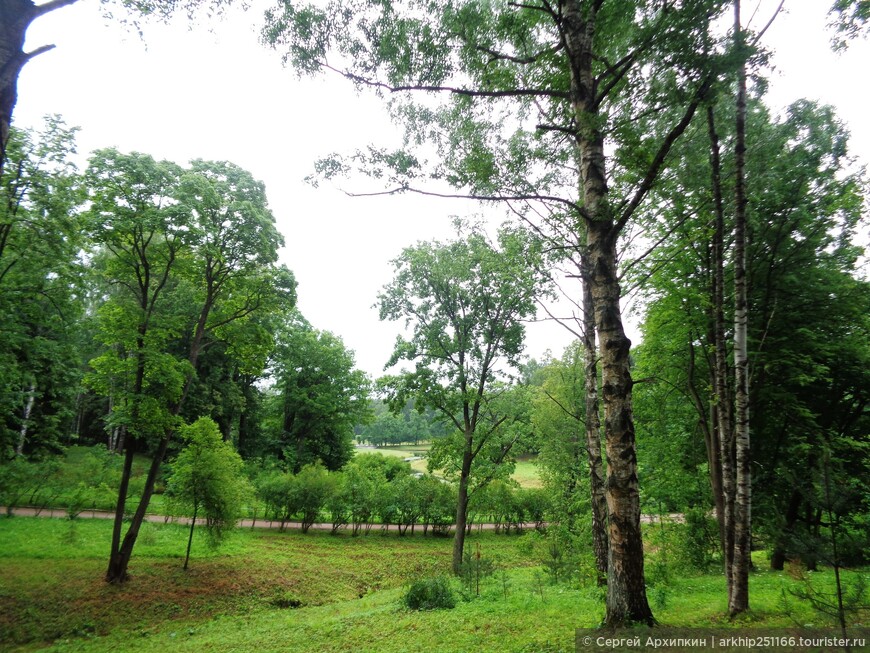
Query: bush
430, 594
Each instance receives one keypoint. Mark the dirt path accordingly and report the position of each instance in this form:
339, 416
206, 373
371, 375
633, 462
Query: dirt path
58, 513
267, 523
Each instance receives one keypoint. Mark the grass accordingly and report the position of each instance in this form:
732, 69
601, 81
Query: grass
405, 451
52, 574
526, 472
269, 591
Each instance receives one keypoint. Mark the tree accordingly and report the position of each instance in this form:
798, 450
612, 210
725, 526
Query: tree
207, 478
534, 91
321, 396
803, 205
190, 258
464, 302
568, 443
41, 289
311, 490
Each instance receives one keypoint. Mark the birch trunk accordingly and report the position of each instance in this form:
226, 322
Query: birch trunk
597, 474
25, 419
722, 405
738, 599
626, 586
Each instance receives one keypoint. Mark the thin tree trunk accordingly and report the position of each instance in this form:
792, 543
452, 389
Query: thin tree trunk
722, 401
190, 536
120, 557
777, 558
739, 596
597, 474
25, 418
117, 572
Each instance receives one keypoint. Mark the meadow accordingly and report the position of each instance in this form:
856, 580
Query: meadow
269, 591
526, 472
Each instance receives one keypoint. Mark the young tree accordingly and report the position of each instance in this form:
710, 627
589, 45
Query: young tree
207, 478
569, 441
465, 302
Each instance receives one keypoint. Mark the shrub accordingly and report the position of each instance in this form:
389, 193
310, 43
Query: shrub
430, 594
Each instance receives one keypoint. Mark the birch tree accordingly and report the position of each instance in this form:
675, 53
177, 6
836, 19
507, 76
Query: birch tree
566, 110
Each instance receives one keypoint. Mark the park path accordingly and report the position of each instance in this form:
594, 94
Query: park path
59, 513
267, 523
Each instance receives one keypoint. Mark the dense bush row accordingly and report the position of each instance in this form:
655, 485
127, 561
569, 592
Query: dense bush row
372, 491
375, 490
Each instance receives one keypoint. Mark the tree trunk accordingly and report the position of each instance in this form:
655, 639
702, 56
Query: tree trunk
15, 18
738, 600
777, 558
25, 418
117, 571
626, 587
120, 556
190, 536
462, 506
722, 401
597, 475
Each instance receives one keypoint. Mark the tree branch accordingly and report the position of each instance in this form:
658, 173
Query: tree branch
473, 196
515, 92
41, 10
659, 160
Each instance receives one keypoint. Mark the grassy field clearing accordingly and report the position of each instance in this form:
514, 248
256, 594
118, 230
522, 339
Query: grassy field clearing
526, 473
269, 591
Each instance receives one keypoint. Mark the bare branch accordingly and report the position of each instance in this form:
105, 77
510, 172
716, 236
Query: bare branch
515, 92
474, 196
41, 10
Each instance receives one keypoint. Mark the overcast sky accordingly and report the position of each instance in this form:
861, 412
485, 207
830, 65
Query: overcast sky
182, 94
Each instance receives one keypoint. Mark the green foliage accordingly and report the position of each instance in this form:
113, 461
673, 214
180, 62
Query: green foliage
207, 479
430, 594
850, 18
320, 397
808, 330
409, 426
88, 480
28, 483
465, 301
310, 492
41, 288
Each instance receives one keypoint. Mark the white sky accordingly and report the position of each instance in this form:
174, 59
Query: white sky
184, 94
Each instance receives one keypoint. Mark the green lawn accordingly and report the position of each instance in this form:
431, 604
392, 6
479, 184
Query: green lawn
526, 472
266, 591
